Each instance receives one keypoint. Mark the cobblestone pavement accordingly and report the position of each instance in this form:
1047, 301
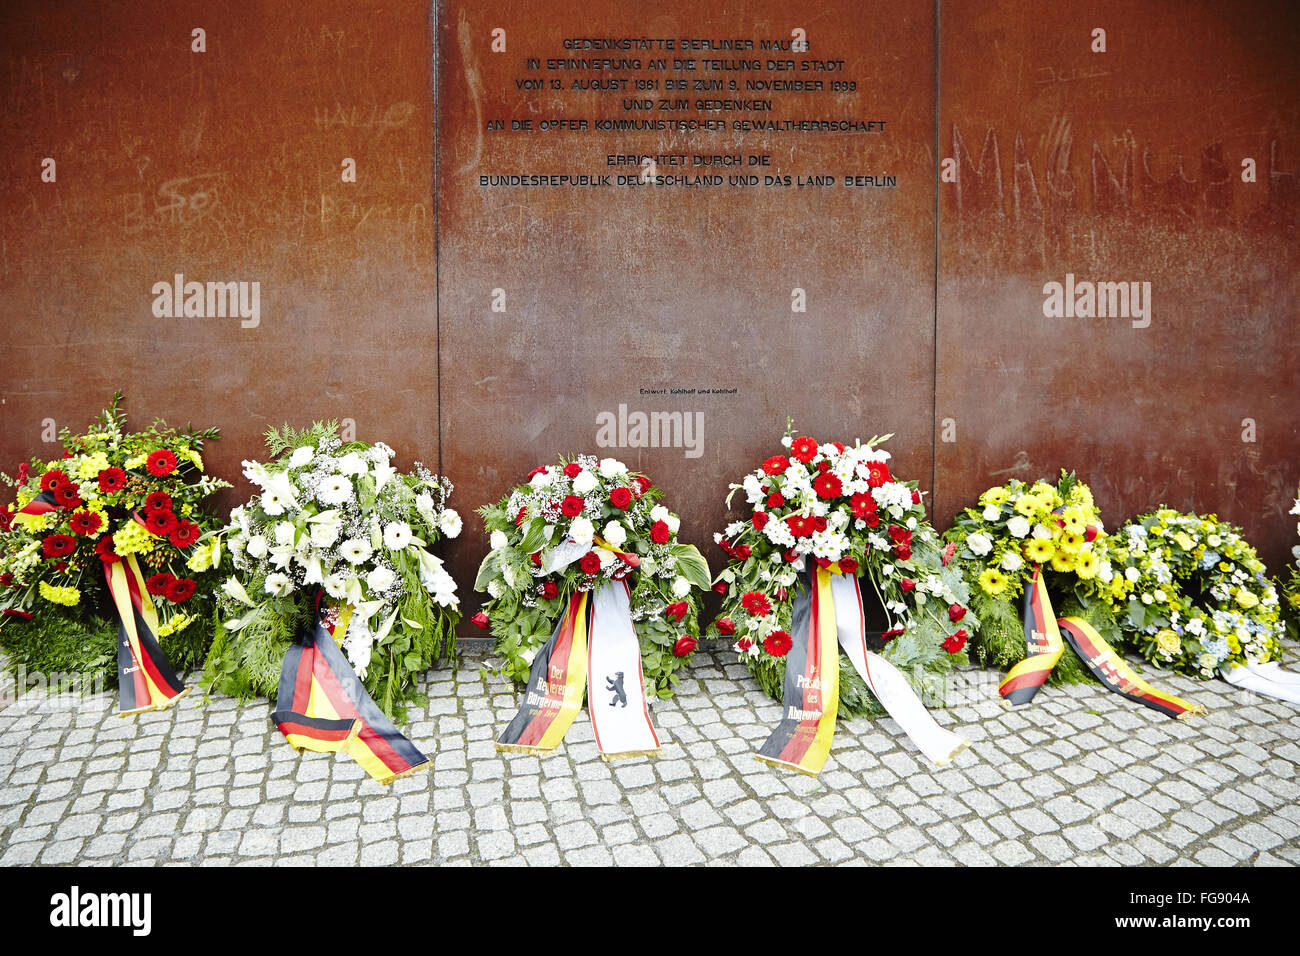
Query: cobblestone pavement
1079, 776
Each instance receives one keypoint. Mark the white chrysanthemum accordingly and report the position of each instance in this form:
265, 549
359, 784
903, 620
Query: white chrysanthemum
612, 467
681, 587
494, 588
615, 534
380, 579
498, 540
585, 483
979, 543
443, 588
334, 490
397, 535
893, 494
278, 584
1019, 526
358, 644
356, 550
302, 456
734, 529
255, 472
449, 522
779, 534
753, 489
582, 530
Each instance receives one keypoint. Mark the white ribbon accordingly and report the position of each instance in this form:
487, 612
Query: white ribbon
616, 697
886, 682
1267, 679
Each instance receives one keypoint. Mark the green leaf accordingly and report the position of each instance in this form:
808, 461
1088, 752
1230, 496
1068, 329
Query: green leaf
487, 570
692, 566
1137, 614
538, 534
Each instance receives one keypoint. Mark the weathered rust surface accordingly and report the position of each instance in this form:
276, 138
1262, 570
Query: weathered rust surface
609, 292
1123, 166
224, 165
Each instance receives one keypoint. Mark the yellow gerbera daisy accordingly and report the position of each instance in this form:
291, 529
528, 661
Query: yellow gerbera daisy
1062, 561
1029, 505
1070, 541
993, 581
1086, 565
995, 496
1039, 550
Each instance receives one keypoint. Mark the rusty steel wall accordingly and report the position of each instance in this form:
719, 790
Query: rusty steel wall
1123, 165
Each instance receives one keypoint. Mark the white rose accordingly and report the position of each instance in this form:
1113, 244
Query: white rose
991, 512
498, 540
256, 546
681, 586
1132, 574
606, 557
582, 530
352, 464
612, 467
1041, 531
1019, 526
1146, 599
542, 479
585, 483
302, 456
979, 543
615, 534
284, 533
380, 579
324, 535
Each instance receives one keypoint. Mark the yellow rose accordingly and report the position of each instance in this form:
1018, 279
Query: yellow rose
1167, 641
1246, 599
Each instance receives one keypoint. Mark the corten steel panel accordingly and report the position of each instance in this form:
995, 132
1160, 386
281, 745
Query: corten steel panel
1122, 166
612, 291
223, 165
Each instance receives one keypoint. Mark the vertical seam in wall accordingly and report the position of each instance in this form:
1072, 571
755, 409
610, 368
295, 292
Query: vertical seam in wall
437, 260
934, 368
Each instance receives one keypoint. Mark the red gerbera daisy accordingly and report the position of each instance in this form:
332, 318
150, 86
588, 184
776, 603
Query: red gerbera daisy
572, 505
58, 546
158, 501
756, 603
66, 496
6, 518
85, 522
877, 473
827, 486
161, 523
804, 449
180, 590
157, 584
161, 463
112, 479
104, 548
777, 643
862, 505
52, 479
186, 533
621, 498
776, 464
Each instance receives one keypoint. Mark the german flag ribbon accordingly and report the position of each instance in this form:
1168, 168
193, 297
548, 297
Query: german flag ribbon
1044, 646
146, 680
828, 617
594, 641
322, 706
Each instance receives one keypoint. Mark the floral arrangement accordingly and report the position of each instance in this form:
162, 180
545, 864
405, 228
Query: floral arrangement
1015, 527
1291, 588
572, 527
336, 518
113, 495
1192, 595
830, 504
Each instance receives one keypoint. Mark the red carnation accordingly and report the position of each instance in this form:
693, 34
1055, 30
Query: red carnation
161, 523
949, 550
956, 612
777, 643
158, 501
776, 500
161, 463
573, 469
590, 563
157, 584
6, 578
685, 646
112, 479
53, 479
804, 449
827, 486
720, 588
549, 590
953, 643
823, 466
759, 520
872, 519
104, 548
85, 523
659, 533
621, 498
726, 626
14, 612
536, 558
877, 473
519, 518
58, 546
66, 497
676, 611
848, 565
776, 464
756, 603
791, 556
744, 644
180, 590
899, 535
539, 470
22, 473
481, 619
890, 634
186, 533
907, 584
643, 484
819, 524
916, 497
572, 505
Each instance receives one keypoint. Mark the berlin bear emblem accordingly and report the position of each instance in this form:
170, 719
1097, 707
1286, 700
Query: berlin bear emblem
615, 684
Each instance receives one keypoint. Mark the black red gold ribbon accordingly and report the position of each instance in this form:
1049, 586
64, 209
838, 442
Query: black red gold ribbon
322, 706
1044, 646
